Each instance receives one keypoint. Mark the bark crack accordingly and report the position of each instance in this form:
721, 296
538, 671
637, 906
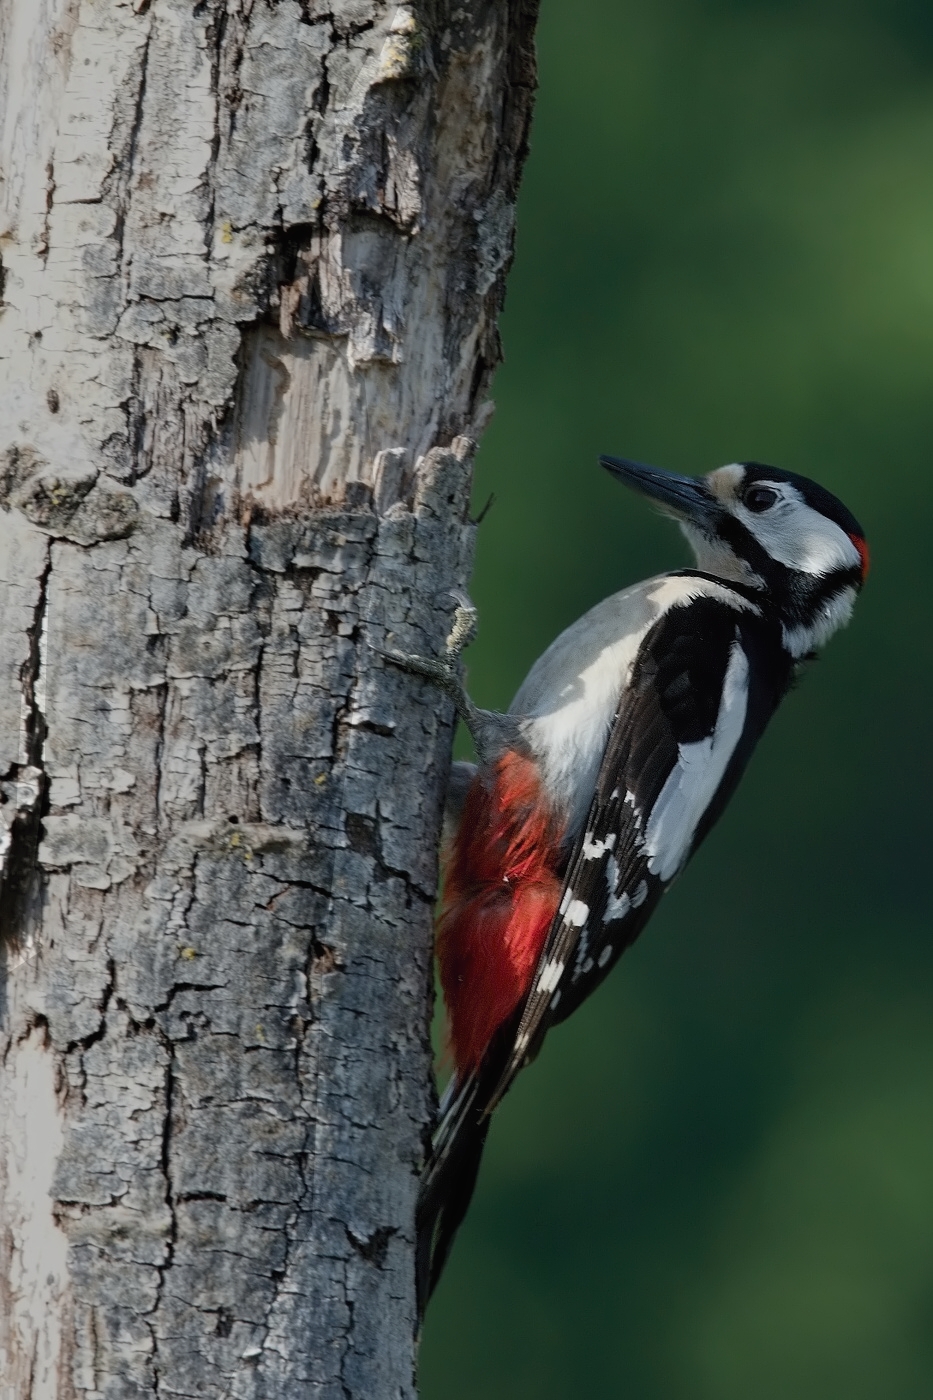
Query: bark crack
23, 787
32, 677
43, 245
162, 689
218, 30
94, 1037
162, 1269
124, 170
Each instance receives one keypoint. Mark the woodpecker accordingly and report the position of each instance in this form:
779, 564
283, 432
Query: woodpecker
618, 754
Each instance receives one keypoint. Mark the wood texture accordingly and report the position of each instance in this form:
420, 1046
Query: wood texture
252, 252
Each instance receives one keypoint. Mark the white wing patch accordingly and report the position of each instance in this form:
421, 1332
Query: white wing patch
592, 850
617, 905
693, 781
550, 975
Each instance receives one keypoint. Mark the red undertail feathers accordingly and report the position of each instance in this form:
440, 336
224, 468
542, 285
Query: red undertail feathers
501, 892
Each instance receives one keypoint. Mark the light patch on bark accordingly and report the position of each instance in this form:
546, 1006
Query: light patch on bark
33, 1273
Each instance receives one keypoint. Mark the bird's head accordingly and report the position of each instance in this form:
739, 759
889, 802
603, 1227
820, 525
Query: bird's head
768, 530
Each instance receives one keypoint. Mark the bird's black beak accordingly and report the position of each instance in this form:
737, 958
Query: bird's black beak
686, 497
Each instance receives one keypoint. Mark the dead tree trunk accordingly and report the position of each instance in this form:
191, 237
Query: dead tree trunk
253, 252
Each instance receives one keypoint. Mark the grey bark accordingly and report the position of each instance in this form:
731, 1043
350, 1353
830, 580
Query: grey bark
253, 252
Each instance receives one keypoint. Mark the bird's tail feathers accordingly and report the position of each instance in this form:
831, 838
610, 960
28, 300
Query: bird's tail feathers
448, 1181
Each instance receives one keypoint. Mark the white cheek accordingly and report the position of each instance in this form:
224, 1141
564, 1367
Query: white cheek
801, 538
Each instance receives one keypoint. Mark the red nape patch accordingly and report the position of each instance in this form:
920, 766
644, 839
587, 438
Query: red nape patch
500, 895
863, 554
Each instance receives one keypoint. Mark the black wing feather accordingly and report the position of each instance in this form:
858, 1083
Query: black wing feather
673, 698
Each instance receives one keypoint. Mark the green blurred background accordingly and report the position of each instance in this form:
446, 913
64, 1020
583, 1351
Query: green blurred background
717, 1181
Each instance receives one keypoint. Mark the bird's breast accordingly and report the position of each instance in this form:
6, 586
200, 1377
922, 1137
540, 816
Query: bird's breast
573, 691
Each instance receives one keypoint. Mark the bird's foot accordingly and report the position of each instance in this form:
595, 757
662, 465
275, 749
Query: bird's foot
444, 671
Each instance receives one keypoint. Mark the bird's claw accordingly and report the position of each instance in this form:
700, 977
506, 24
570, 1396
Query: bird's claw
431, 668
442, 670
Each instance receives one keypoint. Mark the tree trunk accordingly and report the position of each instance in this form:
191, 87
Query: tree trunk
253, 253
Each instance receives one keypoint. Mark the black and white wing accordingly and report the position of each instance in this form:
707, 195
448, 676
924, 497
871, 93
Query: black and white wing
687, 722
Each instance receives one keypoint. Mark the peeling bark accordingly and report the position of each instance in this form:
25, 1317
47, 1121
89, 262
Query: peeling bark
253, 252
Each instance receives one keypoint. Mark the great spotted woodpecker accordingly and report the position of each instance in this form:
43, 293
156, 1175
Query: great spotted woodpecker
619, 752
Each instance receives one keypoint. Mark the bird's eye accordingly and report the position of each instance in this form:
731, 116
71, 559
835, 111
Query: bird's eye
759, 498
